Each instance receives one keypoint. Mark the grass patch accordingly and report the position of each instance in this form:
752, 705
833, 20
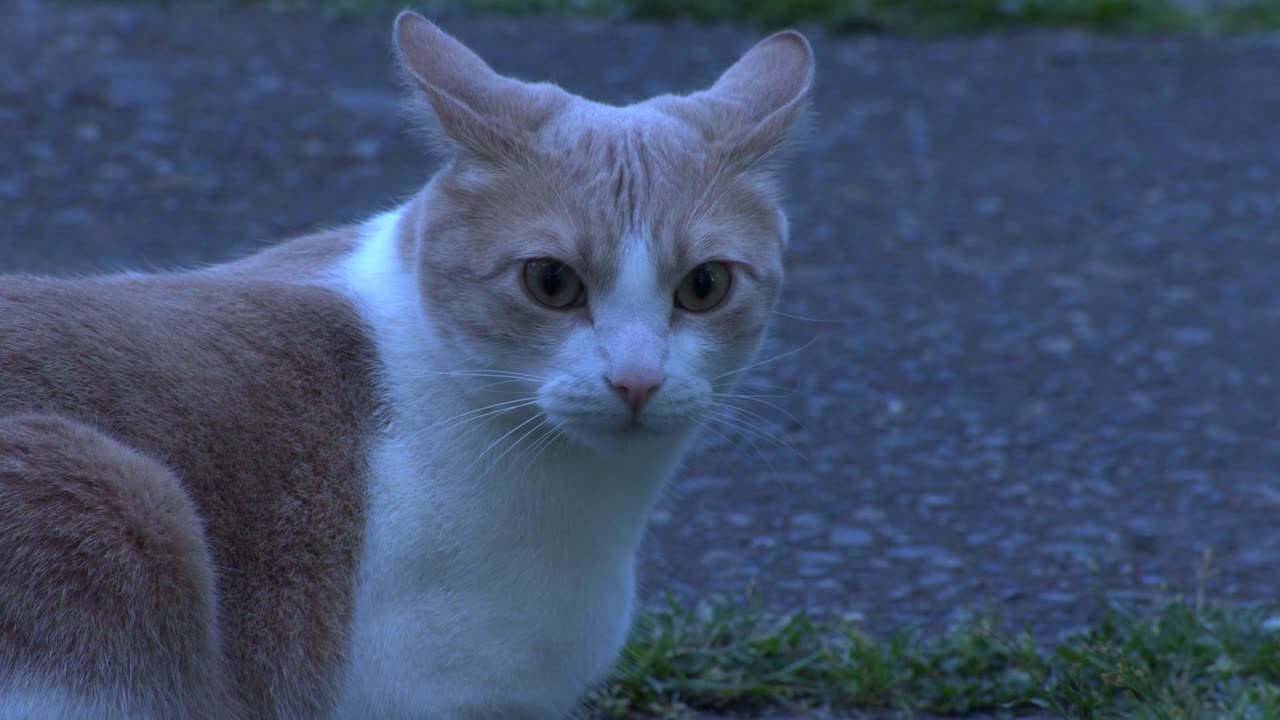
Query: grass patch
898, 16
1178, 660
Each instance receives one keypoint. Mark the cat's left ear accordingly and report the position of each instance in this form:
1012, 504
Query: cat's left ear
757, 103
470, 110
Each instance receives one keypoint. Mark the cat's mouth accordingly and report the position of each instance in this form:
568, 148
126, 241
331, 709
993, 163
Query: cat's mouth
634, 426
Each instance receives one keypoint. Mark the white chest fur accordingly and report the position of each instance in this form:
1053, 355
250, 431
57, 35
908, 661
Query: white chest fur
485, 589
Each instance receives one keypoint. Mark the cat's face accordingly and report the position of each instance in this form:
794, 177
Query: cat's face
619, 263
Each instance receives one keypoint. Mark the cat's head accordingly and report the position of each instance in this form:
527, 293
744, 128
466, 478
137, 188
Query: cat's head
628, 258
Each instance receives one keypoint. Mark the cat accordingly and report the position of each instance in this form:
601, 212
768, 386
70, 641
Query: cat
399, 469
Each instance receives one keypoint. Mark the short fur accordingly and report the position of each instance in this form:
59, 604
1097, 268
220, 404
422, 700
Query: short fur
366, 473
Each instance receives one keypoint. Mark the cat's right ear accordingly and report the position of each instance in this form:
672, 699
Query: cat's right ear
757, 104
469, 110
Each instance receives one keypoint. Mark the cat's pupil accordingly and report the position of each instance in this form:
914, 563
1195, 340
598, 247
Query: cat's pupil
552, 279
703, 279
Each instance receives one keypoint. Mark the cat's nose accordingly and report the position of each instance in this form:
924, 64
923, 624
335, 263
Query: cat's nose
636, 387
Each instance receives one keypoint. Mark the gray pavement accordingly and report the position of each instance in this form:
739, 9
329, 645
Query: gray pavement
1029, 352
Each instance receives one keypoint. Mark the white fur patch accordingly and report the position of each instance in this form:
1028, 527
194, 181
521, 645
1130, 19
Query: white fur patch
492, 583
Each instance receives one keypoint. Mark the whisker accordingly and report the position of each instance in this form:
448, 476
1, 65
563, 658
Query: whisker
487, 411
542, 423
764, 421
555, 436
708, 426
759, 453
734, 181
688, 221
480, 455
779, 313
749, 384
756, 398
483, 374
541, 441
486, 386
767, 360
753, 395
756, 430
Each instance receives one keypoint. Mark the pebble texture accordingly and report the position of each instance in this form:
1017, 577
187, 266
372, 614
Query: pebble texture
1028, 356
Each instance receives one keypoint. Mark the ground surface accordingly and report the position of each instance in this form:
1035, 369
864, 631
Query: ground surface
1044, 270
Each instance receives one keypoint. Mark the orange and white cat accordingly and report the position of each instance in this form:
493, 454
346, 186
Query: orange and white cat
401, 469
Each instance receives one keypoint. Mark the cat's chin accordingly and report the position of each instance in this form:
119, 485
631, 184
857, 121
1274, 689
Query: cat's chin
625, 439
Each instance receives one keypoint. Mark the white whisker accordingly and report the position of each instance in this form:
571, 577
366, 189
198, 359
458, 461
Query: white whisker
734, 181
488, 411
766, 360
741, 436
742, 425
480, 455
802, 318
757, 399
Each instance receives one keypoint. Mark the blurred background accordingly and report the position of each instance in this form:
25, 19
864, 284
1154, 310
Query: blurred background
1029, 354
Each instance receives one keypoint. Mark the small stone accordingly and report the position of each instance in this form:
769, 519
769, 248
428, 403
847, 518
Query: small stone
660, 518
1059, 346
40, 150
88, 132
130, 91
268, 83
811, 571
1271, 624
1270, 494
763, 542
738, 519
932, 555
366, 149
1057, 598
72, 216
931, 500
718, 558
11, 189
853, 616
1011, 594
844, 536
1193, 336
115, 172
934, 579
989, 206
819, 557
806, 525
313, 147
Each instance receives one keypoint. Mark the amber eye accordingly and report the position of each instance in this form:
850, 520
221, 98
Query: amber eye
704, 287
553, 283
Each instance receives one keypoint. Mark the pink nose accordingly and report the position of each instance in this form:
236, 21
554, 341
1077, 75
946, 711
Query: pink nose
635, 388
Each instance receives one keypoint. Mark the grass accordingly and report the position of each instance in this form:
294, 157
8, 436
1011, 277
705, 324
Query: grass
898, 16
1184, 660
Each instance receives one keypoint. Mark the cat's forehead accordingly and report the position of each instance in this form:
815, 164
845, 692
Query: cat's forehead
636, 175
593, 138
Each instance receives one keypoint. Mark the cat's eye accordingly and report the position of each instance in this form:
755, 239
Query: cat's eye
553, 283
704, 287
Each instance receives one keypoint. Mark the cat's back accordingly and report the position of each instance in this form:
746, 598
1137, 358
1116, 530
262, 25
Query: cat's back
251, 387
114, 348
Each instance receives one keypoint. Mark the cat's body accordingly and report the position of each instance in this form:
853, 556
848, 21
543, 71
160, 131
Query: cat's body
366, 473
